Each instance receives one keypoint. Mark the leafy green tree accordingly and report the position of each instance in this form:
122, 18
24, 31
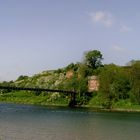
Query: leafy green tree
114, 84
121, 85
106, 79
22, 77
135, 74
93, 59
79, 85
6, 84
82, 90
72, 66
84, 70
72, 83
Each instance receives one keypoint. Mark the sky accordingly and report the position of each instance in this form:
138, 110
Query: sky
39, 35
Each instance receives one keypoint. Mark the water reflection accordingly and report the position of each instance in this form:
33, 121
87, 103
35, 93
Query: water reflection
23, 122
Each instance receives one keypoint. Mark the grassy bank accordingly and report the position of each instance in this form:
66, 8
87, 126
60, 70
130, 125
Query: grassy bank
120, 105
24, 97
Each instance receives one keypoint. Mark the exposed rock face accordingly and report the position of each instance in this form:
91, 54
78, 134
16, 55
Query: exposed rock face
54, 80
93, 83
43, 80
69, 74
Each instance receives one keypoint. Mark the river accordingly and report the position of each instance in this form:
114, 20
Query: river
28, 122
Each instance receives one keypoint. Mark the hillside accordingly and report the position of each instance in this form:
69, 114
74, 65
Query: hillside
46, 79
118, 86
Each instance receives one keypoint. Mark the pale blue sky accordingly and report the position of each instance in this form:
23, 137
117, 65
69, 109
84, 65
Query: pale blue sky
38, 35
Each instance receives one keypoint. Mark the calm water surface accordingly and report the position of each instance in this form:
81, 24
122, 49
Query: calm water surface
26, 122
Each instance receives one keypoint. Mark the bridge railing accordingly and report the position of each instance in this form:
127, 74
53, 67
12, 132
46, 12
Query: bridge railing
72, 102
35, 89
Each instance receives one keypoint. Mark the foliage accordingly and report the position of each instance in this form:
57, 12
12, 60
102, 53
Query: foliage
93, 59
135, 74
25, 97
114, 84
6, 84
72, 66
96, 100
83, 70
119, 86
22, 77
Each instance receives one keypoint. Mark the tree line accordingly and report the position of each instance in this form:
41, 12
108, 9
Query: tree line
118, 85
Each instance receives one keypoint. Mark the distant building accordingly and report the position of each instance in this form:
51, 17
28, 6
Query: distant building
93, 83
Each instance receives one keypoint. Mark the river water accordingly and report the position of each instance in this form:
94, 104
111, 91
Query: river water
27, 122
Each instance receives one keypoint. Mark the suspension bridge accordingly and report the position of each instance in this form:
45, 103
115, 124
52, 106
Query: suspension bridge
72, 102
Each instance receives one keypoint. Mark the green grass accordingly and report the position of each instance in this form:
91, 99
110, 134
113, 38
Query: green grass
24, 97
96, 101
125, 105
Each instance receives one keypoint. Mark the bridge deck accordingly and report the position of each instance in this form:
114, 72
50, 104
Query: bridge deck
72, 102
35, 89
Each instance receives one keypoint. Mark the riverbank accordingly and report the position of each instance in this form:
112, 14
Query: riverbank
21, 97
89, 108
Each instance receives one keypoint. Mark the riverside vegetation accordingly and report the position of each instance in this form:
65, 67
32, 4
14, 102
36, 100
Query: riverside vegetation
119, 86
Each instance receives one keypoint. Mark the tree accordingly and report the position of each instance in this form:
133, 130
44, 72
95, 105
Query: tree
106, 78
72, 66
114, 84
6, 84
84, 70
22, 77
132, 62
135, 74
93, 59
